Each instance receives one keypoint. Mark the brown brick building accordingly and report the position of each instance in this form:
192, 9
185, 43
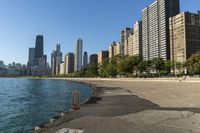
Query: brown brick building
184, 35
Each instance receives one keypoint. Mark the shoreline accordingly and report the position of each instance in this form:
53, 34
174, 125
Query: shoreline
68, 116
173, 79
41, 127
82, 79
123, 106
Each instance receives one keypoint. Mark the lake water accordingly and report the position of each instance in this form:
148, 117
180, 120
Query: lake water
25, 103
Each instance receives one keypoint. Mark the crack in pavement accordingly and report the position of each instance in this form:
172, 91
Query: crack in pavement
182, 116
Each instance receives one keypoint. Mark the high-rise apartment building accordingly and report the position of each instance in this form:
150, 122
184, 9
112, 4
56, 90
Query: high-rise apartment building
134, 43
69, 63
129, 45
93, 59
137, 38
78, 55
56, 60
145, 33
125, 33
115, 49
102, 55
85, 60
184, 35
155, 28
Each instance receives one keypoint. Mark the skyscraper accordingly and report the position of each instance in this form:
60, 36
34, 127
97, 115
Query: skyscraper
43, 61
62, 69
137, 38
37, 62
93, 59
31, 56
56, 60
125, 33
155, 28
39, 46
184, 36
129, 45
78, 55
114, 49
38, 49
69, 63
133, 44
145, 33
85, 59
102, 55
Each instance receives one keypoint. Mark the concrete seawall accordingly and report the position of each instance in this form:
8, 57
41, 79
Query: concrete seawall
136, 105
182, 79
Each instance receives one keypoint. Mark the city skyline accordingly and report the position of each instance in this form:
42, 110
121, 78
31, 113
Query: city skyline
93, 41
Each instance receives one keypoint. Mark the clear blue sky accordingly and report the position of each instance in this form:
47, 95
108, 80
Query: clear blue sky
97, 22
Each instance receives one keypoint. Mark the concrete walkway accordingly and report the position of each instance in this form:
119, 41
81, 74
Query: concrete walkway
136, 107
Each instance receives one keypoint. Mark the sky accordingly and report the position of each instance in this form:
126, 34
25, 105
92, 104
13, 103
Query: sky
97, 22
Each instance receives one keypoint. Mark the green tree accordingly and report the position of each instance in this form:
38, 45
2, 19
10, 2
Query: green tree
134, 62
122, 66
158, 64
111, 68
128, 65
103, 68
168, 66
143, 66
82, 72
193, 64
92, 71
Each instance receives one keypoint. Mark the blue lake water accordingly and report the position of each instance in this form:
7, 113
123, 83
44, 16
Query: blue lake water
25, 103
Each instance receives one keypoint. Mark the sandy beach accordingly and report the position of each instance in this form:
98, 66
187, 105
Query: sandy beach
135, 106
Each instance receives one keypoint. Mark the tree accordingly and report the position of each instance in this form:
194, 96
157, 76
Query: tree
103, 68
111, 68
193, 64
122, 66
92, 71
143, 66
168, 66
134, 62
128, 65
158, 64
82, 72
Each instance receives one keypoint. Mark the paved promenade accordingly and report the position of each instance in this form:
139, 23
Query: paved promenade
137, 106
